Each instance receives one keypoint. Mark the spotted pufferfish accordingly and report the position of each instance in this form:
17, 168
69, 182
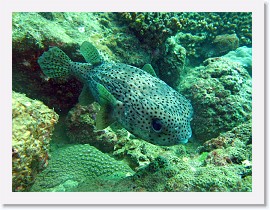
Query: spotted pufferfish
134, 98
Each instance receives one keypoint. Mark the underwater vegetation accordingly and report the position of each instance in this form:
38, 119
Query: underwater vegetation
204, 57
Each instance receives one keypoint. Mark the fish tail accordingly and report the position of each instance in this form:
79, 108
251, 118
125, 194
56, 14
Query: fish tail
55, 63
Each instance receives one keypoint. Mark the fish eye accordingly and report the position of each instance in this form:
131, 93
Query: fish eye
156, 125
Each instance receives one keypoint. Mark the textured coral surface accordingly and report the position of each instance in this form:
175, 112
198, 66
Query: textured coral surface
73, 164
220, 92
32, 127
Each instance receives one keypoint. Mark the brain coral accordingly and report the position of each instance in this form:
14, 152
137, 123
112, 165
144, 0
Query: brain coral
220, 92
73, 164
32, 127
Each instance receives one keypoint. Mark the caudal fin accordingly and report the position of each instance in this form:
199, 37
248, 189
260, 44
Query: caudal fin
54, 63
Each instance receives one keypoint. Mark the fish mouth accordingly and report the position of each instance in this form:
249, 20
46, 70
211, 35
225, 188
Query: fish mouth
183, 141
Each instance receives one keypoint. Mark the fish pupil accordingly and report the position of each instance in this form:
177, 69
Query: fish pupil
156, 125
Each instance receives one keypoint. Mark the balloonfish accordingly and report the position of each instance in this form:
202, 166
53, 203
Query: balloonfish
133, 98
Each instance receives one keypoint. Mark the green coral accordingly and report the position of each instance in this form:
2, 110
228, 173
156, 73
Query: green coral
32, 127
153, 28
73, 164
220, 92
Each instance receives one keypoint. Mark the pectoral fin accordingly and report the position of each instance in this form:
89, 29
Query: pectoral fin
85, 97
107, 102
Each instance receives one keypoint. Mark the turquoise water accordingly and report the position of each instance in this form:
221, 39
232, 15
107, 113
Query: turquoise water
68, 142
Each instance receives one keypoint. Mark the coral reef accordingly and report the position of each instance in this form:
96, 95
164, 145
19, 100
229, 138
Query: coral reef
32, 127
239, 136
220, 92
138, 153
171, 37
153, 28
73, 164
230, 147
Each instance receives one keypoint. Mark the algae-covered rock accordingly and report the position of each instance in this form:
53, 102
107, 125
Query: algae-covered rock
220, 93
73, 164
32, 127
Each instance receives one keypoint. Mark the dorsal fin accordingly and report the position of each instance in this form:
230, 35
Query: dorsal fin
90, 53
149, 69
